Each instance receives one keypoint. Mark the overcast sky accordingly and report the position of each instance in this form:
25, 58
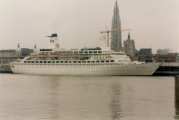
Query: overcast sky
154, 23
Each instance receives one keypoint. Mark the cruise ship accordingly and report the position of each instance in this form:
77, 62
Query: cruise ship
86, 61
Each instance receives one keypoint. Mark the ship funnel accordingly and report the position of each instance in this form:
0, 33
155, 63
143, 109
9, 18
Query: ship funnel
54, 41
53, 35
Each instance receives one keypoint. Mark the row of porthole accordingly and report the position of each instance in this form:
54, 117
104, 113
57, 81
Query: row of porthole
69, 64
67, 61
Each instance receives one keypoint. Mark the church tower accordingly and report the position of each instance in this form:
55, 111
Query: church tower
116, 25
129, 47
18, 51
35, 48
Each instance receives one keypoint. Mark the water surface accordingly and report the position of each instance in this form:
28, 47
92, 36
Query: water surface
31, 97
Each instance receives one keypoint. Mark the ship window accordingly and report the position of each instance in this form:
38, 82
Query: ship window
76, 52
32, 61
74, 61
86, 52
112, 61
92, 62
90, 51
97, 61
45, 61
66, 61
40, 61
61, 61
28, 61
99, 52
69, 61
81, 52
36, 61
49, 61
83, 61
57, 61
88, 61
24, 61
53, 61
79, 61
69, 52
102, 61
107, 60
95, 51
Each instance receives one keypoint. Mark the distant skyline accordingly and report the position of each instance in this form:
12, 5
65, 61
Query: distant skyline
154, 23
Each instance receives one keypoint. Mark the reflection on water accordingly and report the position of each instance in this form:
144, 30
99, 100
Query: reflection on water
34, 97
53, 102
115, 104
177, 98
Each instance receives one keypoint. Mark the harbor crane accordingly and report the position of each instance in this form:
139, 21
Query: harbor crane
112, 31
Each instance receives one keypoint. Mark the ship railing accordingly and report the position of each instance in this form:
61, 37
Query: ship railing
81, 54
53, 55
70, 55
67, 55
42, 55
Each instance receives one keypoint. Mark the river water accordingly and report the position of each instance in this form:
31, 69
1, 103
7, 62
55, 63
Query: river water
40, 97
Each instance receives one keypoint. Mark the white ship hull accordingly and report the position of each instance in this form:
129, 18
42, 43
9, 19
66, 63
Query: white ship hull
87, 69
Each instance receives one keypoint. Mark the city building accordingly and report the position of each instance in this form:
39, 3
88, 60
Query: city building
7, 56
116, 43
164, 51
129, 47
145, 55
177, 58
170, 57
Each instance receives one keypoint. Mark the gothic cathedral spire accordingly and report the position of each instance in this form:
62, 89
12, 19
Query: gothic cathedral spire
116, 25
116, 3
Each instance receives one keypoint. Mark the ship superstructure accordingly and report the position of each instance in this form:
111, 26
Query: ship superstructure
86, 61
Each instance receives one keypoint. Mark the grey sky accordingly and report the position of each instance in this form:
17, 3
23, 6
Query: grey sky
79, 22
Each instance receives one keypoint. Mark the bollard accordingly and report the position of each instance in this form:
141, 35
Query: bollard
177, 97
177, 88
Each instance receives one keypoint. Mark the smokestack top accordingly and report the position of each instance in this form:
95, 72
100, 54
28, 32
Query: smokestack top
53, 35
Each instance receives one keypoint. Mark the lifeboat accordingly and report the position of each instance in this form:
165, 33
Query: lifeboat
42, 54
53, 55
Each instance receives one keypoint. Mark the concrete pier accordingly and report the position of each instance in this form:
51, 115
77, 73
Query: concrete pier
177, 97
167, 69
